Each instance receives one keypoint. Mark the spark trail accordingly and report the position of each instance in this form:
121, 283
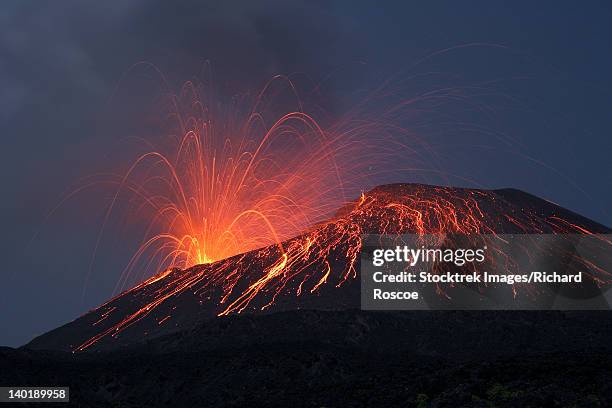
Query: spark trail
236, 179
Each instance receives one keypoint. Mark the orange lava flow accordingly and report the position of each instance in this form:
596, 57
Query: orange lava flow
327, 257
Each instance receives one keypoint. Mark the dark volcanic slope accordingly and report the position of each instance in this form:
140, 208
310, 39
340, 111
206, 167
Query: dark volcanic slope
317, 270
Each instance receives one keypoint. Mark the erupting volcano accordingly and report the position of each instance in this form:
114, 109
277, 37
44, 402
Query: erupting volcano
317, 269
252, 210
306, 204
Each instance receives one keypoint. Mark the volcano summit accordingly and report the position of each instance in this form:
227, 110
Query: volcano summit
316, 270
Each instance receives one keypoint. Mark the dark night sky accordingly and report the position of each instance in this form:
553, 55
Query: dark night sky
61, 60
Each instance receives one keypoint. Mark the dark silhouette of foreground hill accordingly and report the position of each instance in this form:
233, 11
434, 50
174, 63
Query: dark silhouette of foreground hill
344, 359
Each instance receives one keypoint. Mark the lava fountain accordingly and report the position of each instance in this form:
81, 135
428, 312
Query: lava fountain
238, 179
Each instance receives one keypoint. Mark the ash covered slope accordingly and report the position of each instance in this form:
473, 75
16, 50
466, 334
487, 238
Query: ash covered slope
316, 270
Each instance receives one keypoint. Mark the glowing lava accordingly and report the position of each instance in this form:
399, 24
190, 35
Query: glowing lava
239, 179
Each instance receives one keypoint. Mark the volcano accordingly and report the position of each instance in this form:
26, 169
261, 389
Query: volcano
317, 270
